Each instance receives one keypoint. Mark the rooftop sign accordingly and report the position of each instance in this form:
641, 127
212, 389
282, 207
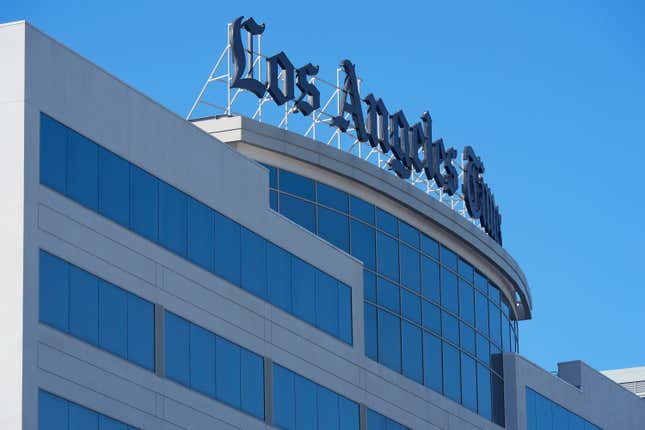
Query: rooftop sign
410, 149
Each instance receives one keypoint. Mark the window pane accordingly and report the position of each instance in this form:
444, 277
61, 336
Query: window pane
361, 209
141, 332
299, 211
410, 270
113, 319
306, 403
201, 235
144, 200
481, 303
327, 409
466, 302
483, 349
429, 246
53, 412
202, 360
173, 208
279, 277
449, 291
114, 187
467, 338
483, 391
497, 389
364, 243
481, 283
468, 383
388, 295
371, 343
375, 421
284, 401
448, 258
495, 324
53, 154
369, 286
326, 303
432, 360
494, 293
387, 222
176, 348
389, 347
273, 176
227, 372
106, 423
506, 334
273, 200
409, 234
412, 359
82, 171
466, 270
54, 291
252, 374
297, 185
227, 249
83, 305
345, 312
388, 256
304, 290
334, 228
411, 306
254, 263
332, 197
81, 418
431, 317
450, 327
349, 418
451, 375
430, 272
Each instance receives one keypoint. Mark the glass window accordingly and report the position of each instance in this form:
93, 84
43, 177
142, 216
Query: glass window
273, 200
327, 409
495, 324
303, 278
279, 277
466, 302
349, 414
227, 372
431, 317
141, 332
481, 283
387, 222
409, 234
410, 271
106, 423
114, 187
411, 306
144, 201
388, 256
252, 383
449, 295
201, 234
451, 374
176, 349
332, 197
173, 218
448, 258
429, 246
53, 412
483, 349
227, 249
113, 319
371, 343
494, 293
432, 362
376, 421
430, 272
466, 270
497, 405
363, 243
83, 305
481, 303
81, 418
345, 312
297, 185
273, 176
506, 334
202, 360
389, 347
53, 154
361, 209
334, 228
284, 400
496, 363
53, 291
305, 404
299, 211
254, 264
369, 286
388, 295
326, 303
483, 391
82, 171
468, 382
467, 338
450, 327
412, 359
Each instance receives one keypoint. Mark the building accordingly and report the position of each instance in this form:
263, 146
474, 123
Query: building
632, 378
228, 274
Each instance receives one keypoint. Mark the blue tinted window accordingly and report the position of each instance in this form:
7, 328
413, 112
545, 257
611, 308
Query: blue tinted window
483, 391
429, 246
448, 258
449, 291
279, 277
332, 197
53, 412
387, 222
299, 211
201, 234
361, 209
304, 290
432, 362
177, 349
466, 270
466, 302
483, 349
106, 423
227, 249
497, 405
388, 295
345, 312
494, 293
284, 400
326, 303
495, 324
430, 279
376, 421
409, 234
411, 306
53, 154
364, 243
83, 305
481, 283
113, 319
468, 383
369, 284
451, 375
202, 360
450, 327
371, 343
252, 383
410, 272
297, 185
506, 334
467, 338
431, 317
349, 418
144, 202
307, 403
334, 228
389, 347
81, 418
114, 187
273, 176
412, 346
388, 256
481, 303
273, 200
327, 409
254, 263
227, 372
141, 332
54, 291
82, 171
173, 218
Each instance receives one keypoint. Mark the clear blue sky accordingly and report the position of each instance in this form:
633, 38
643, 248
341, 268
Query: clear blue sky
551, 94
